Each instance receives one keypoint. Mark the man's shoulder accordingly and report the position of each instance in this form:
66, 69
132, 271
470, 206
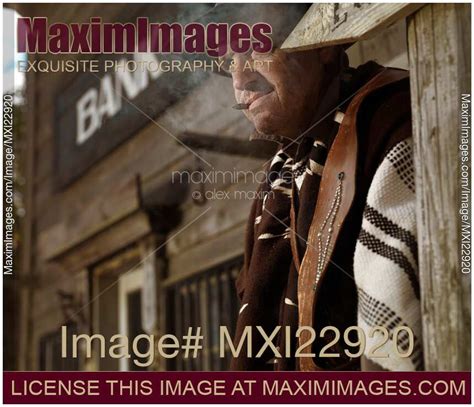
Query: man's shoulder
377, 83
385, 95
384, 117
356, 78
386, 108
384, 87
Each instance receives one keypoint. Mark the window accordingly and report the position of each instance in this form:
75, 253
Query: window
130, 312
207, 300
50, 351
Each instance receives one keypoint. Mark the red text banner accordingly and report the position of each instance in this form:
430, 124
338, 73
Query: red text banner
236, 387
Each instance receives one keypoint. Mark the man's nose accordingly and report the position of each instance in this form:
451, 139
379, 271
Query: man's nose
242, 75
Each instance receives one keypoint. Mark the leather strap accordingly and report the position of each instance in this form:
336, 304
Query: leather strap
342, 159
293, 234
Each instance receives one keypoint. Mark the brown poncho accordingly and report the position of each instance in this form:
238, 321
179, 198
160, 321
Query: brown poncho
278, 228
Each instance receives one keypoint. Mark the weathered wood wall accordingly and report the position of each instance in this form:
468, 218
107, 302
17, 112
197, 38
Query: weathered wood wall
439, 53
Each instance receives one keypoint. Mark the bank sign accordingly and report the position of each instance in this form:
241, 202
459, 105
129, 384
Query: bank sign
97, 112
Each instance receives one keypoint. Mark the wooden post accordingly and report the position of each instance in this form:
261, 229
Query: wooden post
439, 55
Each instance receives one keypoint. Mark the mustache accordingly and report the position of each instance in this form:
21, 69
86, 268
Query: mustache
257, 86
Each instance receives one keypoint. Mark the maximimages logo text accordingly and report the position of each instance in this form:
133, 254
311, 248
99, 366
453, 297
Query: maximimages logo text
35, 35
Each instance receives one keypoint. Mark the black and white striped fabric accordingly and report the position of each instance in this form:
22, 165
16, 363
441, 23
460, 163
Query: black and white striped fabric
385, 263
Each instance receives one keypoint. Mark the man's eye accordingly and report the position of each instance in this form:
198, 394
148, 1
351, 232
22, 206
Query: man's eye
226, 62
231, 59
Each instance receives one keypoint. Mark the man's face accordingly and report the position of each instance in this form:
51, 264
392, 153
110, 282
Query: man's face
282, 94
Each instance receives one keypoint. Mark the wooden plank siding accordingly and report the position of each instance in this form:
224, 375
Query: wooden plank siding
439, 51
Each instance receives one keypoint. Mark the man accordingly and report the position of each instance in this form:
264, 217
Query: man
332, 245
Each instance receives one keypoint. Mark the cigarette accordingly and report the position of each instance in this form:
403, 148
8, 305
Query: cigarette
241, 106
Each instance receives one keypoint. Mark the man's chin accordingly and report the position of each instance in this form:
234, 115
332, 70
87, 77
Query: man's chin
264, 124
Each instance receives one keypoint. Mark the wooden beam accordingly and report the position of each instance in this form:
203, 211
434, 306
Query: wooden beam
228, 145
439, 55
123, 233
342, 23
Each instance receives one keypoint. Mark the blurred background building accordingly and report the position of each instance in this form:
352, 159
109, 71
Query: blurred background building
110, 244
